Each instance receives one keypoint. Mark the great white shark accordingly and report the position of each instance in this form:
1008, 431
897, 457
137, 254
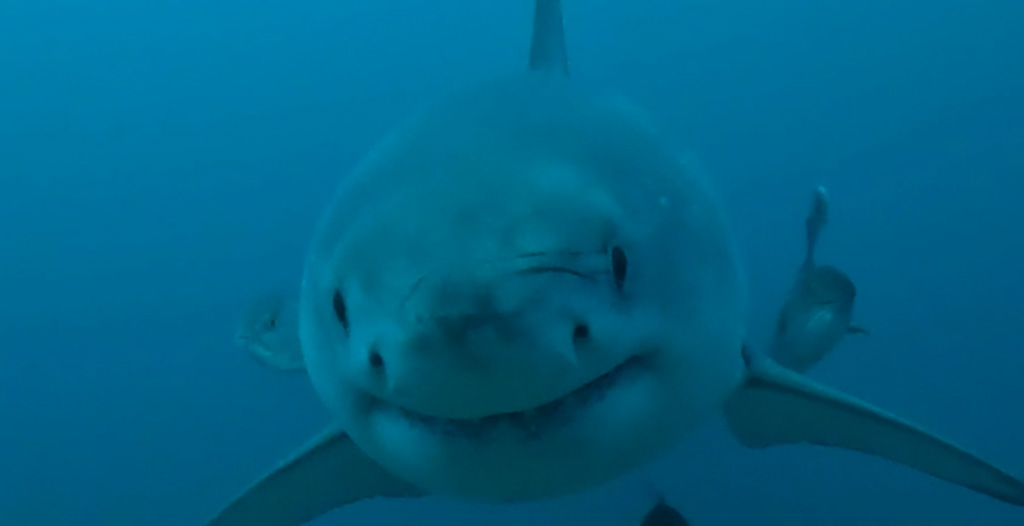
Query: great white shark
818, 311
522, 292
268, 330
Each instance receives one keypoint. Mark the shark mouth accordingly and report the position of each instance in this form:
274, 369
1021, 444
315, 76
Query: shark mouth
530, 423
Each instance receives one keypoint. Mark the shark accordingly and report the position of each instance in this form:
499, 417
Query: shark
520, 293
815, 317
268, 331
818, 311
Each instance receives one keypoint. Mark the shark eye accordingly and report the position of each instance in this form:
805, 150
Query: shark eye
339, 309
580, 334
619, 266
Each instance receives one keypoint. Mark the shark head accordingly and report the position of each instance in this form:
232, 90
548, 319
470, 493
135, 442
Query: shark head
816, 316
524, 274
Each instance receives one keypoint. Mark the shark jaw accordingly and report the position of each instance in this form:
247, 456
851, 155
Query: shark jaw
601, 429
530, 423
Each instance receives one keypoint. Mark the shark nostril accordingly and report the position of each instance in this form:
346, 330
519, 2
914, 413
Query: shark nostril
376, 360
580, 334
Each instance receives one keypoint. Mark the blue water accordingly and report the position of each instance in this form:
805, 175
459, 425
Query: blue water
162, 162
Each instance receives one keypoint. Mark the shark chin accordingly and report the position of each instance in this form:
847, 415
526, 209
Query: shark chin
533, 421
614, 414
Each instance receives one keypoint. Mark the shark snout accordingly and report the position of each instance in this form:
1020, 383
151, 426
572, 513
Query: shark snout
467, 351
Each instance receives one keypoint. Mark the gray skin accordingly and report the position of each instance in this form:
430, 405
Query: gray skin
522, 293
268, 331
818, 310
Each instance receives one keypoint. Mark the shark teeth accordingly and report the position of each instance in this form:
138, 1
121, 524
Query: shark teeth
531, 423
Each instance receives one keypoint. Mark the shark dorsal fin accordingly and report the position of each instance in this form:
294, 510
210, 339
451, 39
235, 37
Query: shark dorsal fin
817, 218
547, 50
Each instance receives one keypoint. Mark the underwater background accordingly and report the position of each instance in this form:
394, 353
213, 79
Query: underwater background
163, 162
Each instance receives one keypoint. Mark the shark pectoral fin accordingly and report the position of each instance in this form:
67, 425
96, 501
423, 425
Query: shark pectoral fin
776, 406
328, 472
857, 329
